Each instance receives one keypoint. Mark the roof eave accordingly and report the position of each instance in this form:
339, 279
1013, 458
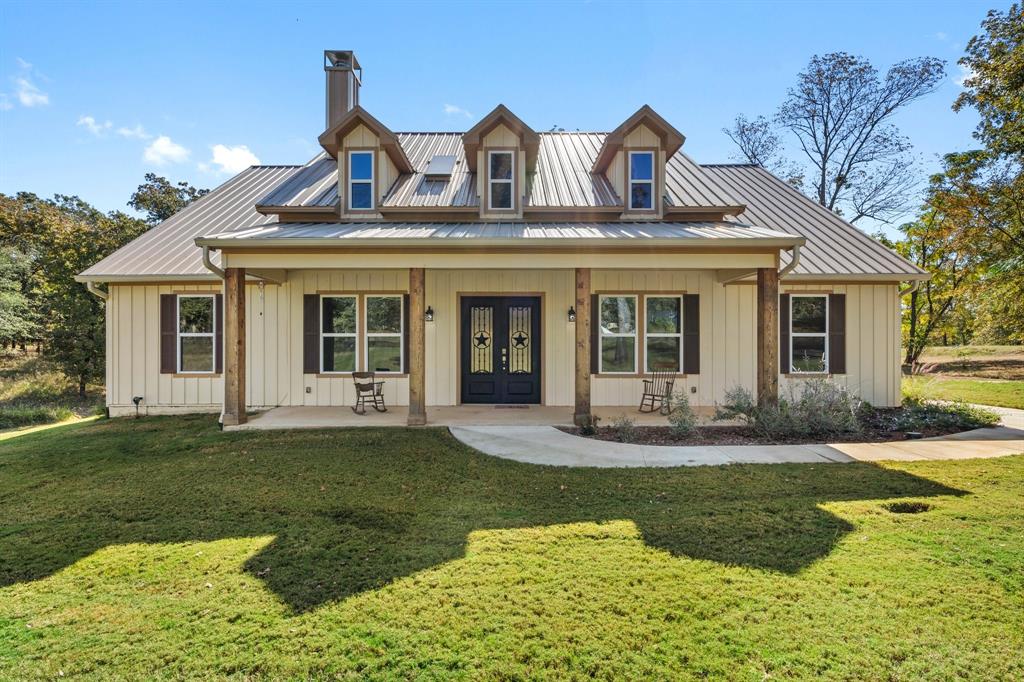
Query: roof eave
216, 242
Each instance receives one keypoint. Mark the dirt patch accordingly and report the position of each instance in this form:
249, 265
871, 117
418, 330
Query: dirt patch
1007, 366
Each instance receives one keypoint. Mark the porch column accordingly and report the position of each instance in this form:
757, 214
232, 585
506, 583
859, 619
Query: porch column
767, 336
417, 348
582, 416
234, 346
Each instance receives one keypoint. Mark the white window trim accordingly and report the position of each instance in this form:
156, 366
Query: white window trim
212, 334
792, 335
602, 334
510, 181
332, 335
629, 189
370, 182
664, 335
400, 334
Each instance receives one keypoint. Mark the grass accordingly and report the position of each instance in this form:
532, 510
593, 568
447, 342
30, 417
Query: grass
163, 548
34, 391
978, 391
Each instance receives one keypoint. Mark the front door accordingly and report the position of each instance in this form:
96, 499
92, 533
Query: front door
500, 349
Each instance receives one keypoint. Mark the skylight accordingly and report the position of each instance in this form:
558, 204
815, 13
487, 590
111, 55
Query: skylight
441, 167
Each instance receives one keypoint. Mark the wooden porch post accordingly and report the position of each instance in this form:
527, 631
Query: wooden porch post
234, 346
767, 336
582, 416
417, 348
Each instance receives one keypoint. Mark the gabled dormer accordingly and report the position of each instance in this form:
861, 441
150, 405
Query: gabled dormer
502, 150
633, 158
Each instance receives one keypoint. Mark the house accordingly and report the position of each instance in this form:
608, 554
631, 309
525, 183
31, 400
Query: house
499, 265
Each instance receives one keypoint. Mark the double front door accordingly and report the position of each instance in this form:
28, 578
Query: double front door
500, 349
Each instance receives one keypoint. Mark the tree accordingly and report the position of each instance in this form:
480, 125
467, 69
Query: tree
159, 199
994, 86
17, 319
840, 114
759, 143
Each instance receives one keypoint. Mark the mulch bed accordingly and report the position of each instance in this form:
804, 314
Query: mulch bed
874, 431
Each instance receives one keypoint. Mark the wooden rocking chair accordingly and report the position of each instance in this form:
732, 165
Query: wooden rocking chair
368, 390
658, 391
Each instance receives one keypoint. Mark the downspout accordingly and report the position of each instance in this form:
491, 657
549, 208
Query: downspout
96, 291
208, 264
793, 262
911, 288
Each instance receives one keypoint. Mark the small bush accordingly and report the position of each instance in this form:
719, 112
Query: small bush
681, 417
590, 427
625, 429
923, 415
12, 416
907, 507
821, 408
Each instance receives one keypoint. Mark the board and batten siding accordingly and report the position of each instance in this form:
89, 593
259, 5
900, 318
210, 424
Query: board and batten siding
274, 338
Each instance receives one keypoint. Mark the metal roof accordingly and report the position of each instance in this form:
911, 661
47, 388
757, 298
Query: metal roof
834, 248
169, 250
562, 178
504, 233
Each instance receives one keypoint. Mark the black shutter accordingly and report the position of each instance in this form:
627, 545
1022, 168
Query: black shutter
837, 333
168, 333
691, 334
785, 353
218, 327
595, 334
310, 333
405, 333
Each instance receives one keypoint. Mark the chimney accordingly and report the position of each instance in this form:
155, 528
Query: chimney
344, 76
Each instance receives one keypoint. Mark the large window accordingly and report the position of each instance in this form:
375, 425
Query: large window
618, 328
808, 332
196, 333
339, 325
663, 335
384, 334
360, 181
501, 170
641, 181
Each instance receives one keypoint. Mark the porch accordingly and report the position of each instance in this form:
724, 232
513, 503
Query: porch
303, 417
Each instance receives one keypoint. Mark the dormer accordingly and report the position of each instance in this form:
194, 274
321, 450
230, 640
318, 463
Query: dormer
502, 150
370, 159
633, 158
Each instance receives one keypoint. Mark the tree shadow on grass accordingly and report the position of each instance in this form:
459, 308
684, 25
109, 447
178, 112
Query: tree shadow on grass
353, 510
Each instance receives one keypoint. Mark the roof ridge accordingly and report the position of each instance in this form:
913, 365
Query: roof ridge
732, 164
539, 132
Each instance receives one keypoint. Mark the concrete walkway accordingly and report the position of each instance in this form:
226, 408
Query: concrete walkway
548, 445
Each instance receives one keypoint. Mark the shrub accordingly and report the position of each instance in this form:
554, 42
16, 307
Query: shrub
12, 416
820, 408
681, 417
590, 427
625, 429
923, 415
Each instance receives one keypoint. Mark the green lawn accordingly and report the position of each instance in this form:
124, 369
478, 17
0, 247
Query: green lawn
164, 548
980, 391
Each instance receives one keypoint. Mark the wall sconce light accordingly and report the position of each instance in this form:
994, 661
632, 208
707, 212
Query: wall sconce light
572, 314
428, 315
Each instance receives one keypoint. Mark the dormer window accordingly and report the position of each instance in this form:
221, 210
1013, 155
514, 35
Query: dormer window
641, 181
500, 165
360, 181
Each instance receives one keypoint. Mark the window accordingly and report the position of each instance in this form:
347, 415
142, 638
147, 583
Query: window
360, 181
617, 319
641, 181
384, 334
196, 333
338, 327
663, 335
499, 180
808, 332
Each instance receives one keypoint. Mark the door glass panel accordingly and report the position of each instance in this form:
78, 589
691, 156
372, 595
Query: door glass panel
519, 340
481, 339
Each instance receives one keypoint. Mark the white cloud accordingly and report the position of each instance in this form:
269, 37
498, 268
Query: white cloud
164, 150
28, 94
941, 35
230, 159
137, 133
965, 73
453, 110
27, 66
94, 126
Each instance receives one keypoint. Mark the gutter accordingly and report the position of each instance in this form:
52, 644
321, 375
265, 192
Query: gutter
793, 262
911, 288
208, 264
428, 242
96, 291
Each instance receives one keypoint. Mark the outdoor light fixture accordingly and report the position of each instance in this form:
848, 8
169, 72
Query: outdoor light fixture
137, 399
572, 314
429, 314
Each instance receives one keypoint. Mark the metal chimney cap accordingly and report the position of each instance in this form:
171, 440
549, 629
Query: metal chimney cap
341, 60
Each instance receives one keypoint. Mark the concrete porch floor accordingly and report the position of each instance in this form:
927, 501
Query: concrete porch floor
304, 417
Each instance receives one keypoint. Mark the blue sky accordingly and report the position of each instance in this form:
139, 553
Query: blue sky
94, 95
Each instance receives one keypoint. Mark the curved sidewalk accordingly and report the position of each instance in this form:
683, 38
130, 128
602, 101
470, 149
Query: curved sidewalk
548, 445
